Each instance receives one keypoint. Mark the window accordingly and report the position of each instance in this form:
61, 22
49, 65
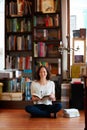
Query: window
2, 37
78, 18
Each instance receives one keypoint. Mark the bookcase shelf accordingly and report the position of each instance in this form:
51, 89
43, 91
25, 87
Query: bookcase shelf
18, 31
32, 38
47, 32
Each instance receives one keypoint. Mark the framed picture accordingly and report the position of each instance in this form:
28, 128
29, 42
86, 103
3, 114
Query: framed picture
79, 55
78, 58
47, 6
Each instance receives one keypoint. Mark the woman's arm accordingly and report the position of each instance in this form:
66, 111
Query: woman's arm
34, 95
52, 97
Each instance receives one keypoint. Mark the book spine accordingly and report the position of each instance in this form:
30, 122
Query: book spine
56, 20
38, 8
20, 7
19, 43
29, 42
14, 25
23, 65
27, 62
35, 49
29, 25
27, 90
22, 84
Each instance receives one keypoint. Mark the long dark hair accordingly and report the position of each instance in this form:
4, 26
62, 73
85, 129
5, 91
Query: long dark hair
38, 71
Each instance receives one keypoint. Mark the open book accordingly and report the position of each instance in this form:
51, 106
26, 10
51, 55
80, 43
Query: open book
40, 96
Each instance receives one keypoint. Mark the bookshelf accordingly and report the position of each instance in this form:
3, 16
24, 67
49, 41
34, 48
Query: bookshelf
47, 32
18, 32
18, 53
32, 38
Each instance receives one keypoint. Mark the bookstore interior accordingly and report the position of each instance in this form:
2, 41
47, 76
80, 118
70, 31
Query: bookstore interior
33, 37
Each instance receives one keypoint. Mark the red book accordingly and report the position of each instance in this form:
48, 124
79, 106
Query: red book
27, 64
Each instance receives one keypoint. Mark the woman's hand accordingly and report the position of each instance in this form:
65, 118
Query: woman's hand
35, 98
52, 97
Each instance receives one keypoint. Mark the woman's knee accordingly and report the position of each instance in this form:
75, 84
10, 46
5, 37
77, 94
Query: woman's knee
59, 106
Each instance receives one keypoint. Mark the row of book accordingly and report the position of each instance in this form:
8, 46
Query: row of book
19, 7
42, 49
19, 85
18, 25
15, 73
81, 33
46, 20
47, 34
15, 42
20, 63
54, 67
10, 96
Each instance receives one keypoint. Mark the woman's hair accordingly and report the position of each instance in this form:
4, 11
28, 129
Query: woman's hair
38, 71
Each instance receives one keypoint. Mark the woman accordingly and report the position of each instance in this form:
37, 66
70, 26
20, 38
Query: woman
43, 95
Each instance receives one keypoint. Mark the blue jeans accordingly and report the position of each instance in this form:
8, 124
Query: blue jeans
42, 110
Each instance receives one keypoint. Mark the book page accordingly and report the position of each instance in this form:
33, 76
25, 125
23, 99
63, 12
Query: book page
44, 96
35, 94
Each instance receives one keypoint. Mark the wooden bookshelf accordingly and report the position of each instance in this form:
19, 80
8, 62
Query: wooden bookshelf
32, 38
47, 30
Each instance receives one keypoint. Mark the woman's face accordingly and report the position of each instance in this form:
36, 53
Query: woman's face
43, 73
